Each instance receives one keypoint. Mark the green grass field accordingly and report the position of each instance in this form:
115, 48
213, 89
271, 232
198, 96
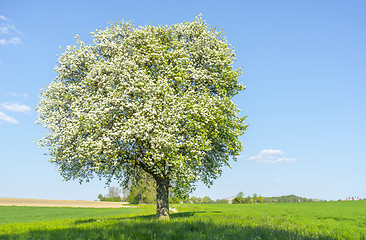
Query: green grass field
322, 220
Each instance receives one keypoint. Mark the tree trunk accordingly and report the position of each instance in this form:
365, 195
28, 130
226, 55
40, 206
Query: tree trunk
162, 198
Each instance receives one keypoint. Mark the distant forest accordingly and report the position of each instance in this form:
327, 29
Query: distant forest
289, 198
241, 199
259, 199
145, 193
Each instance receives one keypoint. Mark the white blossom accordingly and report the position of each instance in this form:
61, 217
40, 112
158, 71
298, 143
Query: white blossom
155, 98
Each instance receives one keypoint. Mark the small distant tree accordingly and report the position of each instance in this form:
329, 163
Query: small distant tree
100, 197
239, 198
206, 200
255, 198
194, 199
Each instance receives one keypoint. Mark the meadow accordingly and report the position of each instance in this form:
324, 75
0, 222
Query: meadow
316, 220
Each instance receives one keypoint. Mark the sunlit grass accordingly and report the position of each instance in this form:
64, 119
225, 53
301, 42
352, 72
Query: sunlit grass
16, 214
331, 220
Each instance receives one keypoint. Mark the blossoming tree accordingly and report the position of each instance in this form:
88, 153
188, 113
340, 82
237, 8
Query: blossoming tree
153, 99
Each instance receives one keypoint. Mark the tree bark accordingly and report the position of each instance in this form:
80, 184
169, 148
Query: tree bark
162, 198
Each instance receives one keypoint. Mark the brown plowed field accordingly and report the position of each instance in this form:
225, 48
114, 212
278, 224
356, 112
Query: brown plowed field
59, 203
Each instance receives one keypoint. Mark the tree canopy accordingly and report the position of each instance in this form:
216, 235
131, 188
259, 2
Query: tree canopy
152, 98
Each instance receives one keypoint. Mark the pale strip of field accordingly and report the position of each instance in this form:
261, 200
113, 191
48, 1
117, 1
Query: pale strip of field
60, 203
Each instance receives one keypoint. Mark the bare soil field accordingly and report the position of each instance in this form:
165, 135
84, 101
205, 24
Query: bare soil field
59, 203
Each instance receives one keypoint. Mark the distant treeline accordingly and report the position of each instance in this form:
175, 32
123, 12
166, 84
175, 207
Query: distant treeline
144, 193
240, 199
259, 199
204, 200
289, 198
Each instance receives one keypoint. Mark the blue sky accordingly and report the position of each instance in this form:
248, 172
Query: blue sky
304, 65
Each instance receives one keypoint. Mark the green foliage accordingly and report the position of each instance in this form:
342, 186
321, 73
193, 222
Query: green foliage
100, 197
114, 199
207, 199
255, 198
142, 190
239, 198
316, 221
194, 199
174, 199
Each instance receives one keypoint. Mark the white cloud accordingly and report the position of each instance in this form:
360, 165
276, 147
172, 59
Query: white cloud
16, 94
10, 35
6, 118
15, 107
9, 29
270, 156
12, 41
286, 159
4, 30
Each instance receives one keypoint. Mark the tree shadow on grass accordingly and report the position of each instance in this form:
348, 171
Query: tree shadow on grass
185, 214
145, 217
146, 228
153, 216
